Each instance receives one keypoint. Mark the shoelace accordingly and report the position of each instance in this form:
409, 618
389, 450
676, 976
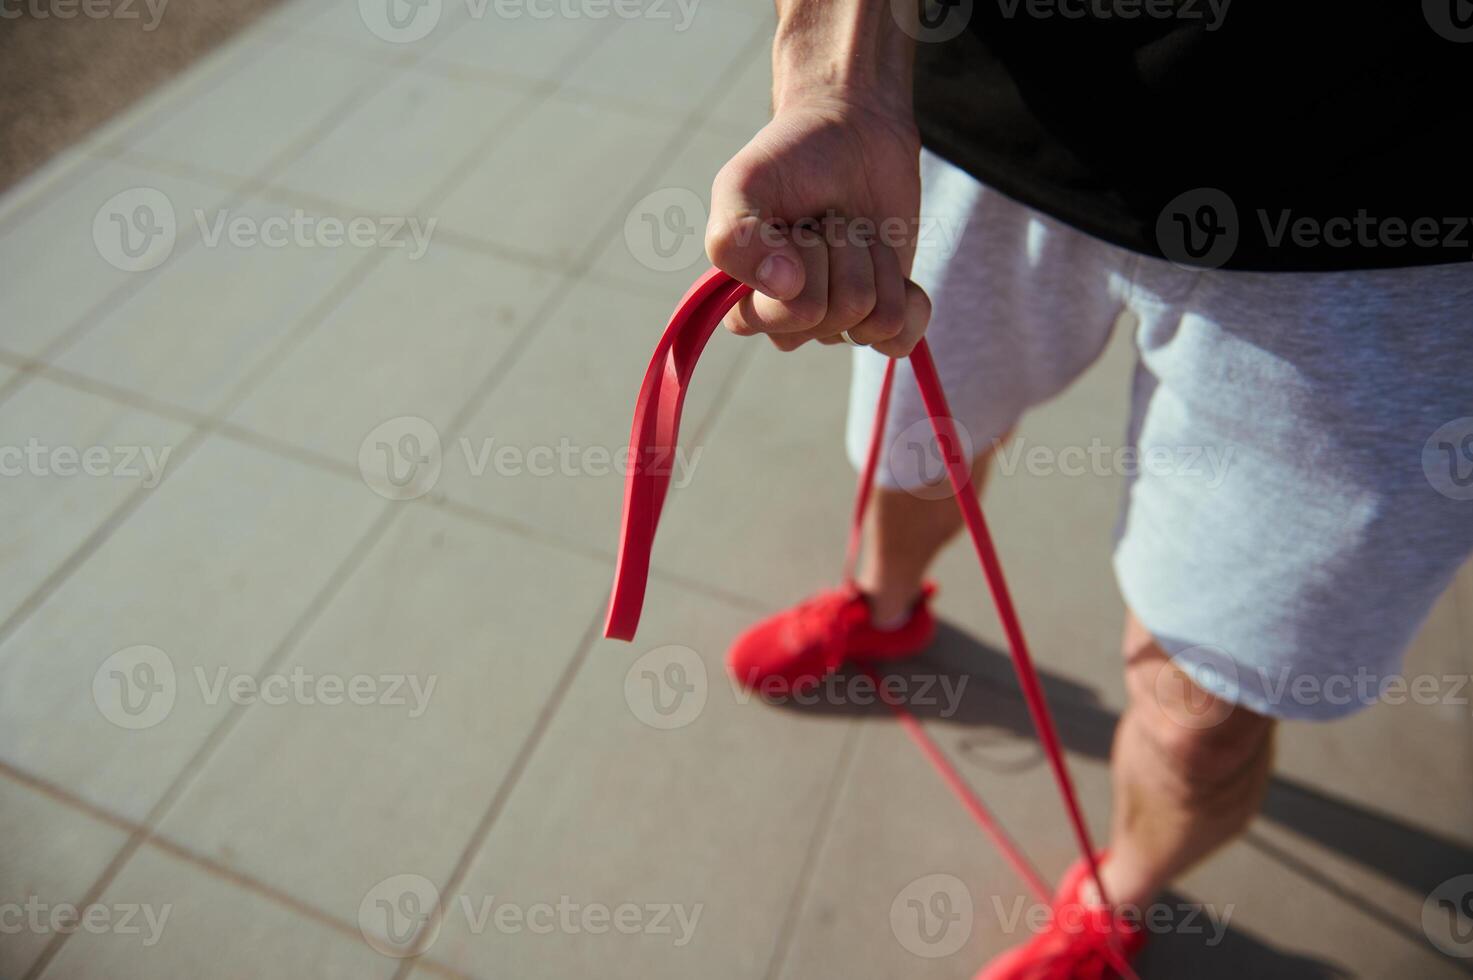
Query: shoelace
652, 445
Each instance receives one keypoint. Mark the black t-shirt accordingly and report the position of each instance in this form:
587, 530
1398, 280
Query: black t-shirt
1286, 135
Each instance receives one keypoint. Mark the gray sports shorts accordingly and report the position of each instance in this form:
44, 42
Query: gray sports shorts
1299, 452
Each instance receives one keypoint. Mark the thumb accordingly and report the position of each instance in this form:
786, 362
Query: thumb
743, 239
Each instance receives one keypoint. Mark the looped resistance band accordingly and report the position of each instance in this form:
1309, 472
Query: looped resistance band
652, 445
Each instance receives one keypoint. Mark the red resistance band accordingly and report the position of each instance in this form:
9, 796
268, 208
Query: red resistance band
652, 444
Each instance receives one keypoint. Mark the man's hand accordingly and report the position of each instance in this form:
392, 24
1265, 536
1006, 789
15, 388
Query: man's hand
818, 213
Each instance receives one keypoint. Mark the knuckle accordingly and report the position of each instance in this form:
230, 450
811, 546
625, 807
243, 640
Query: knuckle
887, 321
807, 312
738, 326
921, 304
853, 300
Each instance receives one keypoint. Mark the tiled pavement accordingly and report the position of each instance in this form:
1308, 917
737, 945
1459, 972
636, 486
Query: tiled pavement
275, 829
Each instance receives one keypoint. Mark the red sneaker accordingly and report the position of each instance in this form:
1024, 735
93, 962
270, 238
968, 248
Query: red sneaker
1074, 944
791, 652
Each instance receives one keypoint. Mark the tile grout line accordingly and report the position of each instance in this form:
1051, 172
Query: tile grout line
89, 162
244, 190
99, 536
340, 470
682, 137
509, 781
818, 840
145, 830
555, 700
89, 545
200, 862
355, 555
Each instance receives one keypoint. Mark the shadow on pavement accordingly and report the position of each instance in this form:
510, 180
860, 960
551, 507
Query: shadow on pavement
1235, 954
970, 685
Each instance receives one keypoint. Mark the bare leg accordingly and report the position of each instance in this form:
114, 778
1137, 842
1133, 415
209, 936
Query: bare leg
903, 533
1189, 772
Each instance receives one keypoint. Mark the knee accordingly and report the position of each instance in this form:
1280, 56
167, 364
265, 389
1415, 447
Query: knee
1201, 747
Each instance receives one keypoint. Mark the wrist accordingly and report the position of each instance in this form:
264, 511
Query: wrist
850, 52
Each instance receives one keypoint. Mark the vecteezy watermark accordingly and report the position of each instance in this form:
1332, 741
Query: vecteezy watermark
940, 694
1209, 12
138, 687
918, 461
932, 916
1451, 19
681, 13
403, 458
402, 915
299, 229
135, 688
135, 230
1447, 916
663, 232
39, 917
1157, 918
1201, 229
932, 21
1206, 463
667, 687
1199, 686
148, 11
1447, 459
407, 21
1365, 230
567, 458
1198, 228
40, 459
400, 21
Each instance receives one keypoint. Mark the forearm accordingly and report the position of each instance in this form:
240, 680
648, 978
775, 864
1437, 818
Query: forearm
843, 48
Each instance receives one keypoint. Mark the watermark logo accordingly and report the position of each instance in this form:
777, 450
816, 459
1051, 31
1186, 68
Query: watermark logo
1157, 918
682, 12
135, 688
301, 229
932, 916
916, 454
568, 460
1198, 229
90, 9
1208, 464
664, 231
939, 695
1198, 687
1447, 916
1447, 459
666, 688
411, 691
135, 230
1451, 19
36, 458
401, 459
932, 21
41, 918
1209, 12
400, 916
400, 21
